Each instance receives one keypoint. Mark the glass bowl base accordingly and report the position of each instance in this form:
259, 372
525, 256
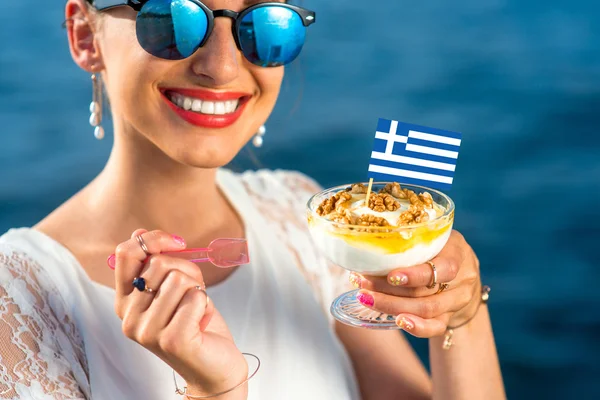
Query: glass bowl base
349, 311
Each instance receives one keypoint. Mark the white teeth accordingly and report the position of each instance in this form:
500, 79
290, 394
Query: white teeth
219, 108
208, 107
204, 106
197, 105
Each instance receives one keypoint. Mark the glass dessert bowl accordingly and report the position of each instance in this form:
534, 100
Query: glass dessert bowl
402, 226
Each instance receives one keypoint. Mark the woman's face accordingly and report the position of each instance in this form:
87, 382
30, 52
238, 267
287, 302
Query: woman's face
149, 96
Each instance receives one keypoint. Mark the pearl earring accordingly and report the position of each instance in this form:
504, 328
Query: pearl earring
96, 107
258, 138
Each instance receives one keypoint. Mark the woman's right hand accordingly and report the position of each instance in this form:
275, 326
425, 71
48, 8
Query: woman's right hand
177, 322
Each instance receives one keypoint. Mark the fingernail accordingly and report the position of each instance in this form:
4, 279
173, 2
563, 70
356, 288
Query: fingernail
398, 280
179, 240
355, 279
405, 323
111, 261
365, 299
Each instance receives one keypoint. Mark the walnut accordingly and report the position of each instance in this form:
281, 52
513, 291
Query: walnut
416, 208
341, 219
406, 218
394, 189
423, 217
414, 215
357, 188
345, 217
381, 202
426, 199
372, 220
335, 202
343, 201
412, 197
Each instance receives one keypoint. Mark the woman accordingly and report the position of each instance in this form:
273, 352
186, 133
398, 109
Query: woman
183, 105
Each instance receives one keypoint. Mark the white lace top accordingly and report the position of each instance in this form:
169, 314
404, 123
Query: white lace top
61, 339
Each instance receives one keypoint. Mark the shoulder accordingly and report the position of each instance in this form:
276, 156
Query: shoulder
27, 249
31, 305
32, 266
26, 264
16, 262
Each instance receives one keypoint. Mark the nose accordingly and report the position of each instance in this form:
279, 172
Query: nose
218, 61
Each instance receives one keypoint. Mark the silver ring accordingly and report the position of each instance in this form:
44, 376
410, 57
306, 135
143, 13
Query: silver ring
140, 240
203, 290
434, 280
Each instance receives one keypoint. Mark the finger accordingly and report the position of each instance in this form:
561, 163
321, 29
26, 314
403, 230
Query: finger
381, 284
154, 272
129, 257
137, 232
191, 314
168, 297
425, 307
446, 264
208, 313
423, 328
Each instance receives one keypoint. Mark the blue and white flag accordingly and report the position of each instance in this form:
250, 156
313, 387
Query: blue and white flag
414, 154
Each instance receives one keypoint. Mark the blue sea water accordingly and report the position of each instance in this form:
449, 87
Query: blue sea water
519, 79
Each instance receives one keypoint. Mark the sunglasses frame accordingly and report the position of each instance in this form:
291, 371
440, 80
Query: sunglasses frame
308, 17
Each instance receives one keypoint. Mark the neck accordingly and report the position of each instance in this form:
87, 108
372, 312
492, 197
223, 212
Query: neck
141, 187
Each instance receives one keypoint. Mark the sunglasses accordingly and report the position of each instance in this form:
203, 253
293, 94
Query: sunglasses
268, 34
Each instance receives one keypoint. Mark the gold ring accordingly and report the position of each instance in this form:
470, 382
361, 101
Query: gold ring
140, 284
140, 240
434, 279
443, 286
203, 290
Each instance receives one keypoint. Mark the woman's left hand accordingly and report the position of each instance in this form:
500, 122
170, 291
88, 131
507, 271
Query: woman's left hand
421, 311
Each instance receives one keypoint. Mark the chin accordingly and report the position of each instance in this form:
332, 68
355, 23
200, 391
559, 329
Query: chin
206, 156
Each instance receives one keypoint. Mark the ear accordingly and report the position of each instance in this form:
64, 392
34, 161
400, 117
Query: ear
81, 30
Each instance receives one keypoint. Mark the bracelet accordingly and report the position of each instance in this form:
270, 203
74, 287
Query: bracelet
485, 295
183, 392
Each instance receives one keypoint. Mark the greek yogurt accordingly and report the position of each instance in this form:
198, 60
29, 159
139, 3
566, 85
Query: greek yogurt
379, 248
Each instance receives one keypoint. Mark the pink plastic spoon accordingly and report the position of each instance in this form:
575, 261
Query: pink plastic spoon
222, 253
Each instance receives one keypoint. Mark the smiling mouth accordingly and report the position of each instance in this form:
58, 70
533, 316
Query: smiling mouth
204, 107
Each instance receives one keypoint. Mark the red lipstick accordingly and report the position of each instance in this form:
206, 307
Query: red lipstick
205, 120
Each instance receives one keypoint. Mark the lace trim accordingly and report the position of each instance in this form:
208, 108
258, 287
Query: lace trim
42, 355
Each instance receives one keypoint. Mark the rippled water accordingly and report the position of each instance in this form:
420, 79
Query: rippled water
519, 79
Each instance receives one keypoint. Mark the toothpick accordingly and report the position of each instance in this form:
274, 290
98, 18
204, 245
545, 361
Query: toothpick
368, 192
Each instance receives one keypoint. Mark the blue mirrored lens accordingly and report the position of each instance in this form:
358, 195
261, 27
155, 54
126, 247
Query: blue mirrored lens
271, 36
171, 29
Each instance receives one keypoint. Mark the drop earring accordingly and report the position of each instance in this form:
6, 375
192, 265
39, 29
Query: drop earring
96, 107
258, 138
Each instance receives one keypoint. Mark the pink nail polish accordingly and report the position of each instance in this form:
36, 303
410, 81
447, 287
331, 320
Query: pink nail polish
398, 280
179, 240
365, 299
405, 323
111, 261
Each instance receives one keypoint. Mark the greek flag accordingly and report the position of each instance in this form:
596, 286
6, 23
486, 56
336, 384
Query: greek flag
414, 154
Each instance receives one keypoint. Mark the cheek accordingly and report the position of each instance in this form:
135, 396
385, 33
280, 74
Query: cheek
130, 71
269, 81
